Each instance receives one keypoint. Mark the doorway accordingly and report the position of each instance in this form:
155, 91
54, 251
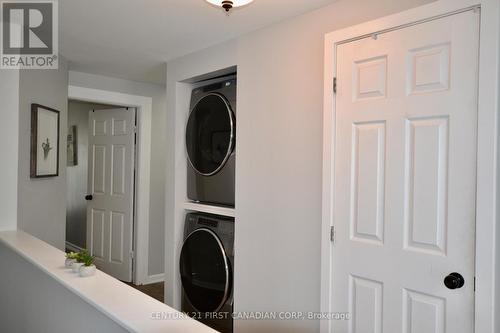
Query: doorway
143, 106
403, 179
100, 184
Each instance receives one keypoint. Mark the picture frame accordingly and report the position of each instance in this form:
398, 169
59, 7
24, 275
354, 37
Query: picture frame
45, 124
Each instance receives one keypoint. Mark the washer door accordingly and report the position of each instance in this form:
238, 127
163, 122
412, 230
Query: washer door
205, 271
210, 134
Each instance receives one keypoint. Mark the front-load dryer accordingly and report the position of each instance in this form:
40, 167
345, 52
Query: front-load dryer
206, 269
210, 143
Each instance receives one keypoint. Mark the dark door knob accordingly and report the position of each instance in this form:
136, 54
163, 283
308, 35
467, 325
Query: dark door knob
89, 197
454, 281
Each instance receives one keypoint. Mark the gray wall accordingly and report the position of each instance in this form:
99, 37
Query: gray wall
497, 236
76, 176
32, 301
279, 158
158, 138
9, 133
42, 202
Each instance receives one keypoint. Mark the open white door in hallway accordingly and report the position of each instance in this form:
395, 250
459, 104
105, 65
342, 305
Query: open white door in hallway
110, 208
405, 179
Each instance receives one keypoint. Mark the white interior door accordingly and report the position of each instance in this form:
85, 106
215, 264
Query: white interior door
110, 210
405, 179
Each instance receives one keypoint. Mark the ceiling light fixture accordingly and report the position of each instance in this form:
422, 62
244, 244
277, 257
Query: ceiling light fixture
229, 4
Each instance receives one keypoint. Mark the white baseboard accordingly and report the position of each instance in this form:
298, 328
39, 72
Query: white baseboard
72, 247
155, 278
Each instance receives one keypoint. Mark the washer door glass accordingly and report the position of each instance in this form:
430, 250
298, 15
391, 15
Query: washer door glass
205, 271
210, 134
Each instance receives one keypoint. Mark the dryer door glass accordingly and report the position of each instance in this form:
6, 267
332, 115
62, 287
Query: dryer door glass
210, 134
205, 271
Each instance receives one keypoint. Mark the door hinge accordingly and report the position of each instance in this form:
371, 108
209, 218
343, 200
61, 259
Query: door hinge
334, 85
332, 234
474, 283
131, 254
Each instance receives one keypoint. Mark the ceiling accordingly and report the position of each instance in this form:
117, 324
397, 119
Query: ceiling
133, 39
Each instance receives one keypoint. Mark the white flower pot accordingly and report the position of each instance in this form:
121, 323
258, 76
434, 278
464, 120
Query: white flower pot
76, 266
69, 262
87, 270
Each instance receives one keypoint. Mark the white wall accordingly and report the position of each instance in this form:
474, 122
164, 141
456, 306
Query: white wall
33, 301
279, 159
496, 324
76, 176
158, 137
42, 202
9, 133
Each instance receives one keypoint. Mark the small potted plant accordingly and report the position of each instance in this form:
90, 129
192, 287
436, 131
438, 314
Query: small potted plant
79, 261
88, 268
70, 259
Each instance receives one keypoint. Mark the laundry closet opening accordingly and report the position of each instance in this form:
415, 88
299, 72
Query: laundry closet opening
205, 206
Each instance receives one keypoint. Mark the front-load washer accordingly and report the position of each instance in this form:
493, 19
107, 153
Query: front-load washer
206, 269
210, 143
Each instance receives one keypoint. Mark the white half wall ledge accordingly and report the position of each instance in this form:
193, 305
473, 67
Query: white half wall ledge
144, 107
126, 306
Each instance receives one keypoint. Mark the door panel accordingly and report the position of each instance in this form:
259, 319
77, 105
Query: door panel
423, 313
405, 178
117, 233
118, 170
98, 169
97, 233
365, 297
368, 172
111, 180
426, 174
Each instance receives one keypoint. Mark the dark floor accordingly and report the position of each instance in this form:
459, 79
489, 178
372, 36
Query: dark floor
154, 290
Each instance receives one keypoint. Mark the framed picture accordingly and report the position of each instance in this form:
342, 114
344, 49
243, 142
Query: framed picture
44, 142
72, 146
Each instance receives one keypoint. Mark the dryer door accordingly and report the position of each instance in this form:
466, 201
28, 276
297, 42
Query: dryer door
210, 134
205, 271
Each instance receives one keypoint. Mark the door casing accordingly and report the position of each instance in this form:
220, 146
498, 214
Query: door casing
143, 161
486, 188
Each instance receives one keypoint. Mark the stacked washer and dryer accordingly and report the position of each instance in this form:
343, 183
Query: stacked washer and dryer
207, 255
